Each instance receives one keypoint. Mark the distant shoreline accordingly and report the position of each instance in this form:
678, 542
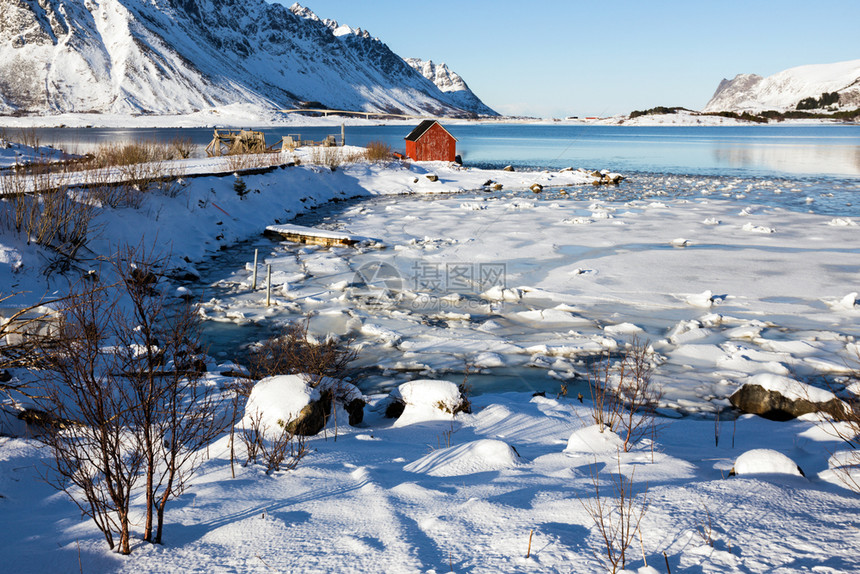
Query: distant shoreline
239, 118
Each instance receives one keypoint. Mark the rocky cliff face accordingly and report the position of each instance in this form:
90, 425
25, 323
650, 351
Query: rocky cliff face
784, 90
178, 56
451, 84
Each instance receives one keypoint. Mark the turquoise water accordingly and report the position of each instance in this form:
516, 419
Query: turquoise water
740, 151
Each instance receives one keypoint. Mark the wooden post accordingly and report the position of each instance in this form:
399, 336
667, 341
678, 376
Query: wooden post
268, 285
342, 135
254, 282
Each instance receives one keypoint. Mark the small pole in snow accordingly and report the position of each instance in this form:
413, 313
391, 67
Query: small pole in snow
268, 285
342, 135
254, 282
529, 551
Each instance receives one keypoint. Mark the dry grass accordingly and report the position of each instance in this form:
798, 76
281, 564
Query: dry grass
377, 151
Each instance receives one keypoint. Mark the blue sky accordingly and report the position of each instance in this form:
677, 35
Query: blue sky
556, 58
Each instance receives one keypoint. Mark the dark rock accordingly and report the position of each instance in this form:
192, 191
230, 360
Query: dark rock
355, 408
313, 417
5, 376
508, 168
432, 177
394, 409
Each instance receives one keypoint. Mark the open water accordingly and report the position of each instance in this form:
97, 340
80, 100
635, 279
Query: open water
744, 151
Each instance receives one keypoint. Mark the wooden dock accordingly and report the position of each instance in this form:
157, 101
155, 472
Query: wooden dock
314, 236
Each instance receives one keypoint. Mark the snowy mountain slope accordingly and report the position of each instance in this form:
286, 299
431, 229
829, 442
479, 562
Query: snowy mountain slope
178, 56
783, 91
451, 84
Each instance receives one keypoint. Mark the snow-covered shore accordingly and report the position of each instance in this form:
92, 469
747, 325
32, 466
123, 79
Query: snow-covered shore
431, 496
244, 115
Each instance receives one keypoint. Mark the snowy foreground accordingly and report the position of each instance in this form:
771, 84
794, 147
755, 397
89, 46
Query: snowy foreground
435, 493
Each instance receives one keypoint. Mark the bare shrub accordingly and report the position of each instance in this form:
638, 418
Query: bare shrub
376, 151
22, 334
125, 370
181, 148
624, 395
616, 517
96, 460
605, 403
41, 209
295, 352
846, 464
638, 393
281, 451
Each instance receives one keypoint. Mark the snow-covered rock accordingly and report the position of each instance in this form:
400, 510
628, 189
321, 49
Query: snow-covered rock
279, 400
428, 399
301, 403
764, 461
779, 397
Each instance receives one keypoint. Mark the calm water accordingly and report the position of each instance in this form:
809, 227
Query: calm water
741, 151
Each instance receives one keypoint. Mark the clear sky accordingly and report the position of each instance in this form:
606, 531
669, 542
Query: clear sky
555, 58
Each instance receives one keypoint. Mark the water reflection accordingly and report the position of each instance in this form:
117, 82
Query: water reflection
793, 159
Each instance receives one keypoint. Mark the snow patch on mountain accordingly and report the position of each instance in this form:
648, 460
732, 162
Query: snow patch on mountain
784, 90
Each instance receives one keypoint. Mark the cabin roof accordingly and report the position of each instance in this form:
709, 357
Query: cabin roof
422, 128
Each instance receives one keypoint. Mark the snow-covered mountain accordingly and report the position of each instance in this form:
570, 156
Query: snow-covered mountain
784, 90
179, 56
451, 84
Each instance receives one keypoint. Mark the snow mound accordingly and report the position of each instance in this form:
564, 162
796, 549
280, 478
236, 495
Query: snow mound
279, 398
765, 461
478, 456
591, 440
427, 400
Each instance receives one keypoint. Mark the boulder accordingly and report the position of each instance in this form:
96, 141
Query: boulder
432, 177
536, 187
508, 168
781, 398
426, 399
301, 403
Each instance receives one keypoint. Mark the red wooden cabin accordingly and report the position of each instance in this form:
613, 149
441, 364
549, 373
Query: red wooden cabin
431, 142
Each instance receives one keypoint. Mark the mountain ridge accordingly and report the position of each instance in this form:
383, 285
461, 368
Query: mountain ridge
179, 56
784, 90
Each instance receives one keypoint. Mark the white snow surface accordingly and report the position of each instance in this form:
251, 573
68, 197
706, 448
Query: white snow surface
449, 491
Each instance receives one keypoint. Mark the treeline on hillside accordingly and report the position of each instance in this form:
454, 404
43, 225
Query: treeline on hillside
826, 99
767, 115
773, 115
